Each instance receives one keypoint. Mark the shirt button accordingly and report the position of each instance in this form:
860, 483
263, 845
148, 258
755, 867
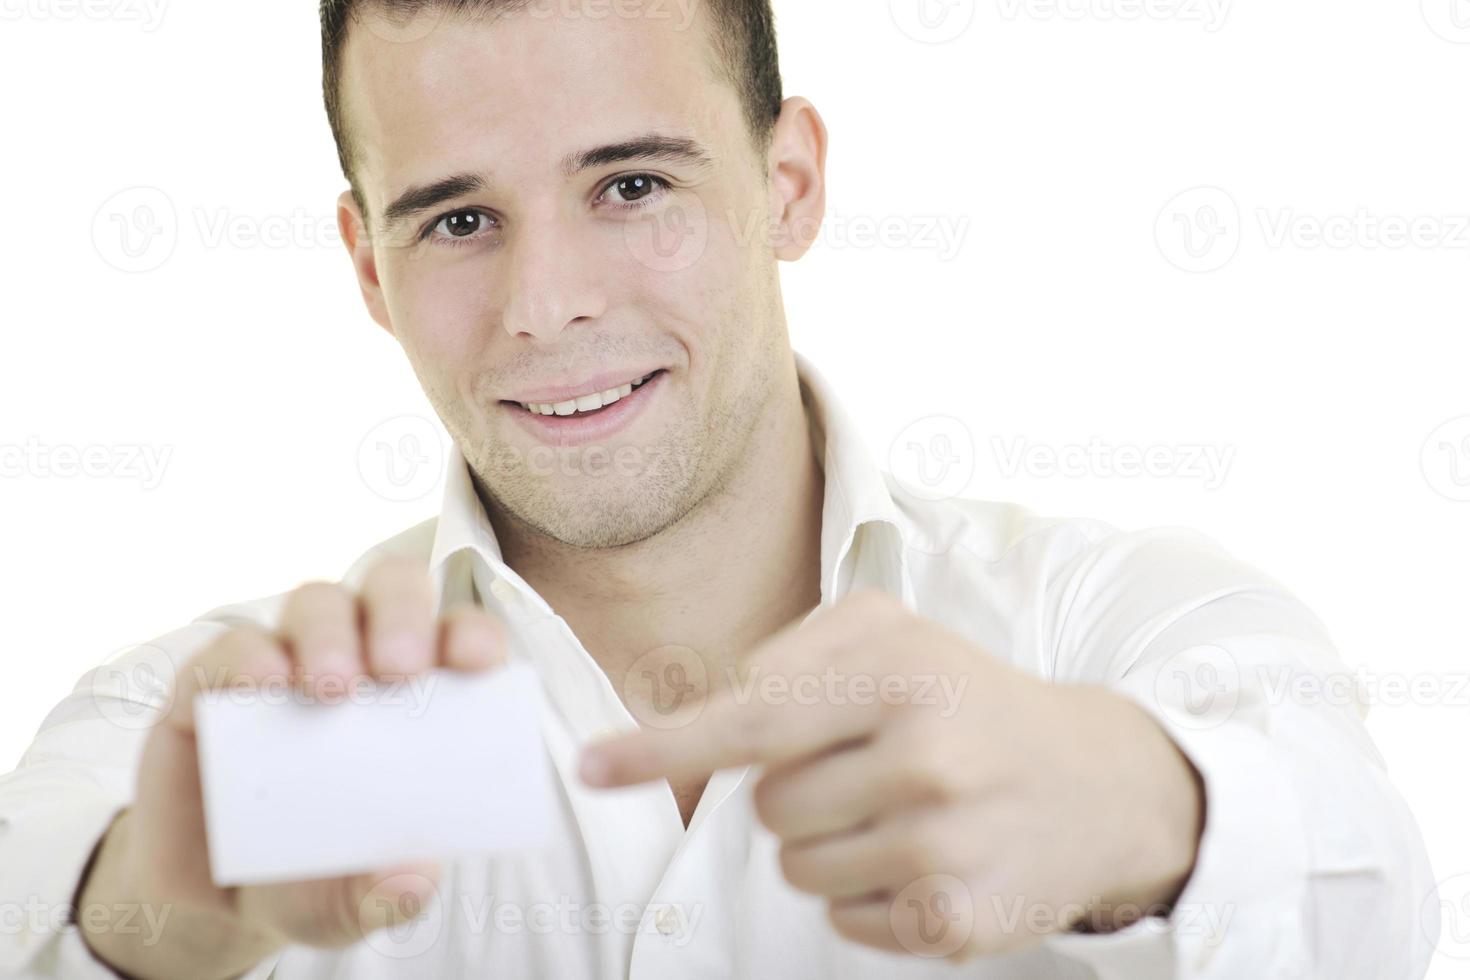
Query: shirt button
503, 590
667, 920
1206, 954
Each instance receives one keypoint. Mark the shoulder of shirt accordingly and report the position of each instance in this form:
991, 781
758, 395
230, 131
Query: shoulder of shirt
987, 529
991, 530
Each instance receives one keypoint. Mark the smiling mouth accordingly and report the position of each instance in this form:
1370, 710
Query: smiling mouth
588, 404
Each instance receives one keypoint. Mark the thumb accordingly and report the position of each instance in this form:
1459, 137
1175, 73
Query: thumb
393, 897
337, 912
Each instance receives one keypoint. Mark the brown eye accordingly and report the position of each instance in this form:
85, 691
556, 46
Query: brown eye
463, 224
460, 226
636, 188
633, 188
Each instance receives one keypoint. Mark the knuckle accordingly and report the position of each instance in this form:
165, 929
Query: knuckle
242, 653
311, 596
469, 635
475, 619
918, 853
242, 647
318, 613
312, 605
796, 867
767, 800
928, 773
397, 604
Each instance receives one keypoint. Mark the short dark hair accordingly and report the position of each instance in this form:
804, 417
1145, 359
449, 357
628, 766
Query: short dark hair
743, 34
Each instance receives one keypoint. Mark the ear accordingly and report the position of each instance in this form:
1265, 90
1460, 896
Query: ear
359, 244
797, 164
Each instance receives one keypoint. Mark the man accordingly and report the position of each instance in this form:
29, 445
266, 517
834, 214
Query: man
858, 734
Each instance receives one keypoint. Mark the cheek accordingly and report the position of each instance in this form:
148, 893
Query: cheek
442, 313
702, 304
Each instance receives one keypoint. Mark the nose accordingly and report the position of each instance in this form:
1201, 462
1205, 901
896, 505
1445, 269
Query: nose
552, 283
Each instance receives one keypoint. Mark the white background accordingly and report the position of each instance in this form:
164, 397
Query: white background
1014, 240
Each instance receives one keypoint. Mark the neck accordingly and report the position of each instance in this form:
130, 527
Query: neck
740, 565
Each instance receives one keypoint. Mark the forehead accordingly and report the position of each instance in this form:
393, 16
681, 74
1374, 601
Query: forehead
451, 93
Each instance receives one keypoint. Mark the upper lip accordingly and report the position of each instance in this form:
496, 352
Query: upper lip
596, 384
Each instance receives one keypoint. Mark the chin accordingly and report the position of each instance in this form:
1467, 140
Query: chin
600, 514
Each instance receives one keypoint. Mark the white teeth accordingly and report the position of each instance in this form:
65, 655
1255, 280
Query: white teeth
586, 403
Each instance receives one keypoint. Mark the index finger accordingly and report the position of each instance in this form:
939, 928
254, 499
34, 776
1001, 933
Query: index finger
755, 721
242, 659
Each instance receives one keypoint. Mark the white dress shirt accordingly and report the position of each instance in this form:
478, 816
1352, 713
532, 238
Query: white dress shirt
1310, 864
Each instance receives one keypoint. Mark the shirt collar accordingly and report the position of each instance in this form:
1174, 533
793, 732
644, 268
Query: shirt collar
863, 530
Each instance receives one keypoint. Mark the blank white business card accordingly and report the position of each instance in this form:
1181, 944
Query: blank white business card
444, 765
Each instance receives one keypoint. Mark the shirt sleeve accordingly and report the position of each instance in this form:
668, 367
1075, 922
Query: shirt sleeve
1310, 864
76, 776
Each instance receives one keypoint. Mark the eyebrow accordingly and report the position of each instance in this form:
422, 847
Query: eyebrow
426, 196
670, 149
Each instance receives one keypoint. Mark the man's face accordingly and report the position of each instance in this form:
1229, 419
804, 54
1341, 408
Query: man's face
551, 276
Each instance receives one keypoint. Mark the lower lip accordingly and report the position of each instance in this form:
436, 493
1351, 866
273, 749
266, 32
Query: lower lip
578, 430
